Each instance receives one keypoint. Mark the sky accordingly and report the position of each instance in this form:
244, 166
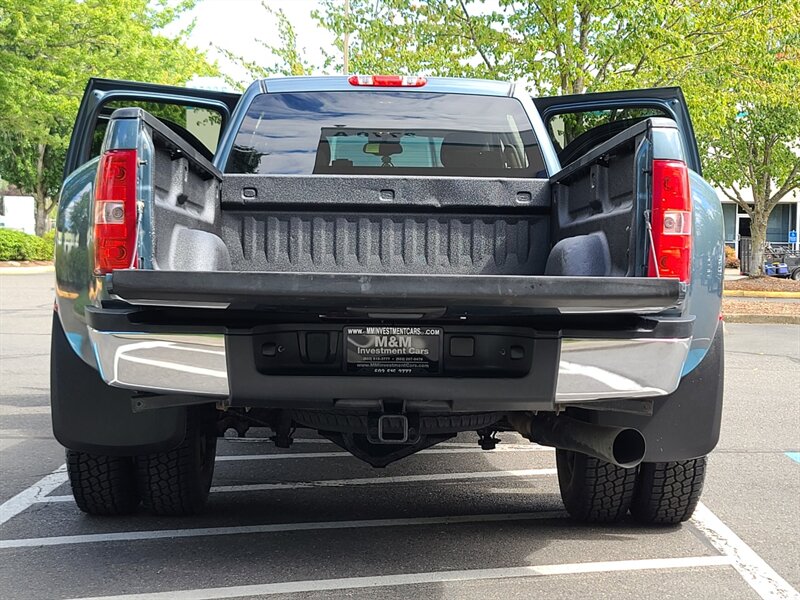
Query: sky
235, 25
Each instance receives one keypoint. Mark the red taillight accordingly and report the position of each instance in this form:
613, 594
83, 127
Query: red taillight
671, 220
387, 80
115, 211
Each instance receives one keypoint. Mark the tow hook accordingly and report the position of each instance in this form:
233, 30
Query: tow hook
392, 425
393, 429
487, 439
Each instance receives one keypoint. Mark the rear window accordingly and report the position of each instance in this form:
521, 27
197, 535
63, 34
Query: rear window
387, 133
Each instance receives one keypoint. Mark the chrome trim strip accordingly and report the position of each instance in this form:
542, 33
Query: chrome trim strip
163, 362
599, 369
174, 303
589, 369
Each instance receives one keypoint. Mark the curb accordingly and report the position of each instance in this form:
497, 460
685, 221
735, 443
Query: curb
764, 294
762, 319
27, 270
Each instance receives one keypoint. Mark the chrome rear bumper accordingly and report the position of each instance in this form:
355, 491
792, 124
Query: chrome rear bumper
599, 369
589, 369
163, 362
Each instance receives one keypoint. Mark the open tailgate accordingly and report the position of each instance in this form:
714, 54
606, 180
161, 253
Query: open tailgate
495, 294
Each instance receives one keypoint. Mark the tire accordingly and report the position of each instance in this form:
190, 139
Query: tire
103, 485
177, 482
667, 492
594, 491
796, 275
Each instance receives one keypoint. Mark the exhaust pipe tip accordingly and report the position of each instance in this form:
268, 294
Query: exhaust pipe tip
622, 446
628, 448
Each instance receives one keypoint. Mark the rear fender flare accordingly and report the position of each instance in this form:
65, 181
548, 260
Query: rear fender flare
686, 423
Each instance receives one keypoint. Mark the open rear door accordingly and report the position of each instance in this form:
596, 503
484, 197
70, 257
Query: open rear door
197, 116
102, 96
577, 123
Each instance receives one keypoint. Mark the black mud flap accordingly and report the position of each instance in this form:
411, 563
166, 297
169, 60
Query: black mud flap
686, 423
90, 416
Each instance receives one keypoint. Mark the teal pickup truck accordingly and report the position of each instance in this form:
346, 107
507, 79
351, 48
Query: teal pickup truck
389, 261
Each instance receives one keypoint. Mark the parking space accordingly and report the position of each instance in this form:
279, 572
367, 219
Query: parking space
452, 522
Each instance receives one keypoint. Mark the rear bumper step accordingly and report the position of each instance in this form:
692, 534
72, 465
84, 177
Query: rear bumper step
588, 370
501, 368
489, 294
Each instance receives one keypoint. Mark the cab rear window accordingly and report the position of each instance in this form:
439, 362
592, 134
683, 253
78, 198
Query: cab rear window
386, 132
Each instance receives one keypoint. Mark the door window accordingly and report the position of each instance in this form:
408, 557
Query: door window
575, 133
201, 127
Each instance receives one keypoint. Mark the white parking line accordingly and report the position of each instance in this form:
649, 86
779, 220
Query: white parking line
263, 440
159, 534
39, 491
325, 585
266, 440
753, 569
13, 506
7, 444
524, 444
297, 485
471, 450
7, 410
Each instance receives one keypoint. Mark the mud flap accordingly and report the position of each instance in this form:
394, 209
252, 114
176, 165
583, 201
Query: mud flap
90, 416
686, 423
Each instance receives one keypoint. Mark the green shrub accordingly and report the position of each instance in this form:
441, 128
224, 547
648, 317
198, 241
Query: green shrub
12, 244
16, 245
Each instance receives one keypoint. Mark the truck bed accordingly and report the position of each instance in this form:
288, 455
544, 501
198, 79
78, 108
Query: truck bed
400, 225
584, 224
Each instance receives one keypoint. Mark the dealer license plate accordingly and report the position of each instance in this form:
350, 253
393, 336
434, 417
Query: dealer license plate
381, 350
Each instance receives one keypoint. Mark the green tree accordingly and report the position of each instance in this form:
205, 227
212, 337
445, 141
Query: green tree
737, 61
452, 38
48, 50
559, 46
747, 114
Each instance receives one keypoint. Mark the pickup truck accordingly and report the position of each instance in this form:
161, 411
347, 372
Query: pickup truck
388, 261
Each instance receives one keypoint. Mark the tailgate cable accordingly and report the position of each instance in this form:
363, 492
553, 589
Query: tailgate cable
139, 212
649, 226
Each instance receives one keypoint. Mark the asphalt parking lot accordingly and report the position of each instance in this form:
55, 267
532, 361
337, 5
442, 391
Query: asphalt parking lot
454, 522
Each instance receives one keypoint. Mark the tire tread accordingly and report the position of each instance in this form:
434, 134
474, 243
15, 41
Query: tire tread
102, 485
668, 492
170, 483
600, 492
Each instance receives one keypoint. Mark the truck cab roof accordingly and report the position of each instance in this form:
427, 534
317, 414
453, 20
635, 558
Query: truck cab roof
334, 83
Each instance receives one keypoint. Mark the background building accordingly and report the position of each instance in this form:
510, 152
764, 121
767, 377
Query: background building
784, 219
17, 212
